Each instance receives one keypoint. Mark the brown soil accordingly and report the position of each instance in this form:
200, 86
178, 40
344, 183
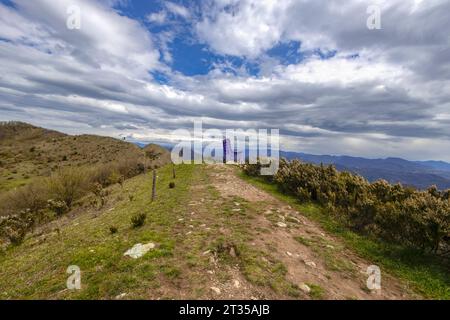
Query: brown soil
321, 260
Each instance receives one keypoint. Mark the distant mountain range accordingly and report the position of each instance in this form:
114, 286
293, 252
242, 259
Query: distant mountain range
419, 174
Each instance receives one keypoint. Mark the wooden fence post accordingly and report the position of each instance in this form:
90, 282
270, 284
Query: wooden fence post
173, 170
154, 186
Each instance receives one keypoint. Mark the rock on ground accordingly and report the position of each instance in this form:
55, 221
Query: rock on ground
139, 250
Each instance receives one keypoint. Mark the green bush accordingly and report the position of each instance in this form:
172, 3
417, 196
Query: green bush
398, 214
68, 185
138, 220
14, 228
22, 208
57, 206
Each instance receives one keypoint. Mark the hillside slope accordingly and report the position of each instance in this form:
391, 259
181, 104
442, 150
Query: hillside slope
213, 236
28, 152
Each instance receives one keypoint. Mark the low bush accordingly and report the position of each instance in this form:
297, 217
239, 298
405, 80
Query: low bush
403, 215
58, 193
68, 185
14, 228
58, 207
138, 220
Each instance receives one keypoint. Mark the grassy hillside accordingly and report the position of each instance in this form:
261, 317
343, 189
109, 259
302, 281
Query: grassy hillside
83, 238
28, 152
214, 235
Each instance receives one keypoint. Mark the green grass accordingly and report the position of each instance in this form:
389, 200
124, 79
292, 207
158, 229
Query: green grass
426, 274
317, 292
37, 268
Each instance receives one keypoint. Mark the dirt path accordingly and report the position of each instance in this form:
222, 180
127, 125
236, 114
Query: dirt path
310, 255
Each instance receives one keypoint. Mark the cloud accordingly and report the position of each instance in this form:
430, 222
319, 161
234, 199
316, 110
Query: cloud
177, 9
382, 93
157, 17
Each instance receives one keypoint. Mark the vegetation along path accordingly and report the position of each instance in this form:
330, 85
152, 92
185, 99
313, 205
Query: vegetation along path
215, 236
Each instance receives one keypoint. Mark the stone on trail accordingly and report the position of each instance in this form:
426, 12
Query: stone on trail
310, 264
291, 218
139, 250
236, 284
305, 288
216, 290
121, 296
282, 224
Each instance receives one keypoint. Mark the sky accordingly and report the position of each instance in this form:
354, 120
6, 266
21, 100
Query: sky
310, 68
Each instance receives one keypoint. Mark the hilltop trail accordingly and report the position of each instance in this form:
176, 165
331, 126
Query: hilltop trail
310, 255
215, 236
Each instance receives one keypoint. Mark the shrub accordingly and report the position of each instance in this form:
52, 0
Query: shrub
113, 230
32, 197
20, 209
138, 220
172, 185
398, 214
100, 174
15, 227
100, 194
68, 185
57, 206
114, 177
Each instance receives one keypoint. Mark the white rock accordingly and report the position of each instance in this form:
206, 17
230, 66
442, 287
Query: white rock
305, 288
237, 204
282, 224
236, 284
289, 254
121, 296
206, 252
216, 290
310, 264
294, 219
236, 210
329, 246
139, 250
